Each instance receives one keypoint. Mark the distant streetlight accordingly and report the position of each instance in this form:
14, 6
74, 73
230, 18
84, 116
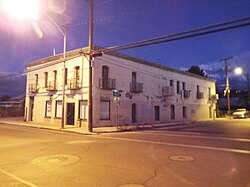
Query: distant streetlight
238, 71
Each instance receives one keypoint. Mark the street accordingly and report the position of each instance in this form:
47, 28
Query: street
213, 153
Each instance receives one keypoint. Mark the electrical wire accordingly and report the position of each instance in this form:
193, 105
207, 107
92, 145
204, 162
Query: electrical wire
158, 40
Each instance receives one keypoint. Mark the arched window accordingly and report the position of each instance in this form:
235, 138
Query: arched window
105, 72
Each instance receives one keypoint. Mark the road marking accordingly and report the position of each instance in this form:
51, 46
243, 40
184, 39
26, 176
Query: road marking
194, 136
17, 178
242, 151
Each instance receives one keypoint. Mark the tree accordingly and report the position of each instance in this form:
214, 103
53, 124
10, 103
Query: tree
197, 70
5, 97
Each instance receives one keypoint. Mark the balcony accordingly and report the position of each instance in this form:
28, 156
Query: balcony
73, 84
199, 95
213, 97
168, 91
186, 93
136, 87
52, 86
33, 88
107, 83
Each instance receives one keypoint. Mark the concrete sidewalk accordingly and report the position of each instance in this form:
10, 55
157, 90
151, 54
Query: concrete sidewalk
81, 130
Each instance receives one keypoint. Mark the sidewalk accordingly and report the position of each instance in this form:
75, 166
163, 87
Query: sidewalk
98, 130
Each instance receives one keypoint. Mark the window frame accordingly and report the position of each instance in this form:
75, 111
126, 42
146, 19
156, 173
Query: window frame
107, 118
46, 109
56, 108
85, 117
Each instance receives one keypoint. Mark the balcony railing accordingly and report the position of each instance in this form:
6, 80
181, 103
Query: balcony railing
168, 91
52, 86
33, 88
73, 84
107, 83
199, 95
136, 87
213, 97
186, 93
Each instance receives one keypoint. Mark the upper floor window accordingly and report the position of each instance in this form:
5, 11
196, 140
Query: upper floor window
105, 71
198, 88
183, 86
45, 79
133, 77
65, 76
77, 73
171, 82
178, 86
54, 75
36, 79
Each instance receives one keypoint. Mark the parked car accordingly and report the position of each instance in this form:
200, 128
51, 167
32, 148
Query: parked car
240, 113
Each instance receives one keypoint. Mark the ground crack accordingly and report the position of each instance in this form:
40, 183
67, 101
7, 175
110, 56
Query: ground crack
150, 178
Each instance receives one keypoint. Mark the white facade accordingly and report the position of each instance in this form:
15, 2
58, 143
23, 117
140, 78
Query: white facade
151, 93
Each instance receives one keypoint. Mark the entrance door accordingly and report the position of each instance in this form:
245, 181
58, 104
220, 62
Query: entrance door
31, 109
70, 113
133, 113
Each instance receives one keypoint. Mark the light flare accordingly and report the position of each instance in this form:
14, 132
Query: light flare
21, 9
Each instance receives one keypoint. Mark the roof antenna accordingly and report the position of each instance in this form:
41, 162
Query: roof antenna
54, 52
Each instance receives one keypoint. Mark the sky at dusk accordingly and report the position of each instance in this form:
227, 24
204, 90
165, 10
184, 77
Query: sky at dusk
118, 22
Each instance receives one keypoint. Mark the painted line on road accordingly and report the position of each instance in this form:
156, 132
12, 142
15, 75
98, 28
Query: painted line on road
242, 151
17, 178
194, 136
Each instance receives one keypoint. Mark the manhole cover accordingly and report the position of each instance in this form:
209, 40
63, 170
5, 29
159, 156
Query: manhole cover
132, 185
55, 160
181, 158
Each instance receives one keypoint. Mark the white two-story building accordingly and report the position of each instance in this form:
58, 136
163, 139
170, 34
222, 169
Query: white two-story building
151, 93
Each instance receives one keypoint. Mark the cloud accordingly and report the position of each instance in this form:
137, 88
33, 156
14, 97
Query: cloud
216, 70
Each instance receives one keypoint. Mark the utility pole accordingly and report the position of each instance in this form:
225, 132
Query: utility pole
227, 90
64, 74
90, 99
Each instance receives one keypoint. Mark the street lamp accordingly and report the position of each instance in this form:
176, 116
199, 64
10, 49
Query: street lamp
239, 71
29, 9
64, 33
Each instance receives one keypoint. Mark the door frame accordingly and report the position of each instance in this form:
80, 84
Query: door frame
70, 114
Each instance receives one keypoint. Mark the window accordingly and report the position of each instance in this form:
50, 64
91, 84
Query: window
178, 87
209, 92
157, 113
105, 110
133, 77
65, 76
58, 109
55, 75
48, 109
77, 73
183, 86
105, 71
83, 110
172, 112
184, 112
171, 83
45, 79
36, 77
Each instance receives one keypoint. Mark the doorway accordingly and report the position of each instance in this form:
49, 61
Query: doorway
70, 113
31, 109
134, 113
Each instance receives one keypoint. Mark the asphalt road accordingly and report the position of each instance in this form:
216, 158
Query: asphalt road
200, 154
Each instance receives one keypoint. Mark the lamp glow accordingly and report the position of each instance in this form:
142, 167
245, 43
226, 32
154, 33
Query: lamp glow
21, 9
238, 71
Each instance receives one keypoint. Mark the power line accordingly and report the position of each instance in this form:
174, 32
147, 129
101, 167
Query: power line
162, 39
183, 35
